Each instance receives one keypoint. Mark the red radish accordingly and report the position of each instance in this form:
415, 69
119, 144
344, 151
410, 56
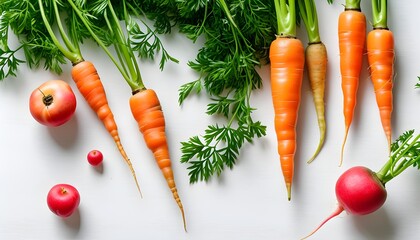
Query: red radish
95, 157
361, 191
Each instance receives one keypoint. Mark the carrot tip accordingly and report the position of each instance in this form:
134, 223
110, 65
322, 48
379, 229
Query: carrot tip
289, 191
318, 149
342, 146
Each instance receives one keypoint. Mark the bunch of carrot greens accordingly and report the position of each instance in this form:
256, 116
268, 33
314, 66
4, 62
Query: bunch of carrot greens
237, 35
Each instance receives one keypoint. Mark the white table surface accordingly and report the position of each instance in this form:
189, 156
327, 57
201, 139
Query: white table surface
246, 203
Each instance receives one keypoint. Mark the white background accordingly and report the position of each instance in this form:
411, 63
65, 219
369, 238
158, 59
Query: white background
248, 202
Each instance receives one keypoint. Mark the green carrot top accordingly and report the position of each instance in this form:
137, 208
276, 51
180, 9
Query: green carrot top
379, 13
286, 17
352, 4
308, 13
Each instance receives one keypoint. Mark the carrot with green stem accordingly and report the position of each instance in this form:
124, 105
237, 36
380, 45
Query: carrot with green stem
87, 80
381, 55
287, 59
351, 41
316, 62
144, 103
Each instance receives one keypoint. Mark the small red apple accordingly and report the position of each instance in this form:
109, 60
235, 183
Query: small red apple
95, 157
63, 199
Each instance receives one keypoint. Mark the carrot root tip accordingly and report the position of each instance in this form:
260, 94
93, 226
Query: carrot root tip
343, 145
289, 191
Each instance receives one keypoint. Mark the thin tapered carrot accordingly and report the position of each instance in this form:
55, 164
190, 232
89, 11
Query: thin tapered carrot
381, 55
147, 111
87, 81
352, 37
287, 63
316, 63
90, 86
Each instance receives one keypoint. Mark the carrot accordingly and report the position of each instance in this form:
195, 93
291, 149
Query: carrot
380, 52
316, 62
147, 111
90, 86
287, 63
352, 36
87, 80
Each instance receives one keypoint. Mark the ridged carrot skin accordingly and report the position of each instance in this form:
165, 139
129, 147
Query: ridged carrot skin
287, 58
316, 64
380, 51
147, 111
90, 86
352, 38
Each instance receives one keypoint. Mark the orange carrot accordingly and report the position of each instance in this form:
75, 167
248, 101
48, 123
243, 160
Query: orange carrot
380, 51
352, 36
287, 59
147, 111
287, 63
90, 86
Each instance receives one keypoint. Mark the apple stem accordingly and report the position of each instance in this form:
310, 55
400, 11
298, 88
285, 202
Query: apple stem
47, 99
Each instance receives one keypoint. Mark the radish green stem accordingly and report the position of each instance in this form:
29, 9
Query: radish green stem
405, 152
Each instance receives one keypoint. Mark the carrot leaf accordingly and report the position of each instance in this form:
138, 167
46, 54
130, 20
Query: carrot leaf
236, 38
218, 149
8, 63
418, 83
25, 20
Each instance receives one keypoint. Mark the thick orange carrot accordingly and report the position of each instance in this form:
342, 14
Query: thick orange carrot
380, 51
287, 64
90, 86
352, 37
147, 111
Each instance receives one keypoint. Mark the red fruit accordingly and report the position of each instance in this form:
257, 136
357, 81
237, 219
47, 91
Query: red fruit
53, 103
63, 200
95, 157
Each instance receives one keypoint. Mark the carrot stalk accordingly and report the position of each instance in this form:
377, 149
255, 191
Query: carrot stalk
147, 111
316, 62
352, 36
88, 82
287, 63
381, 55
